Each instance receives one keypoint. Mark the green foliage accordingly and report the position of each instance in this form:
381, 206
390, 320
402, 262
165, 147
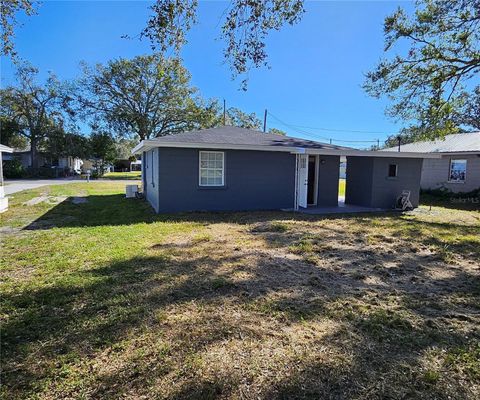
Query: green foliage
124, 147
10, 133
245, 28
62, 144
470, 113
143, 97
36, 109
276, 131
8, 21
466, 359
13, 169
102, 148
433, 82
237, 117
431, 377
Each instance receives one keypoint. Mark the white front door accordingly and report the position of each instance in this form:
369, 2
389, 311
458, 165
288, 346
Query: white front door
302, 180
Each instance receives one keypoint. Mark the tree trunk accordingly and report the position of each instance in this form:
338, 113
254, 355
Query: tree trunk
33, 152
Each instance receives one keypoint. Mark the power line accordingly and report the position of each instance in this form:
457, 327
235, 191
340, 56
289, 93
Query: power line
335, 130
314, 135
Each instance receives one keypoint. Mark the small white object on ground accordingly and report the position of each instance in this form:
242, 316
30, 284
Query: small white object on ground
130, 191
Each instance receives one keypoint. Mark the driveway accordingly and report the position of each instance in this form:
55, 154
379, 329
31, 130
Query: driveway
17, 185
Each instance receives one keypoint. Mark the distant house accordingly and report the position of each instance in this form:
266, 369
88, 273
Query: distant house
458, 169
70, 164
230, 168
127, 165
4, 150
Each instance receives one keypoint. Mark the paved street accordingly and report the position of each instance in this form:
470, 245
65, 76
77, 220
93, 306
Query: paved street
17, 185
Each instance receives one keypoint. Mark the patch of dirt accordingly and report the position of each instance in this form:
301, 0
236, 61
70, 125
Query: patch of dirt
340, 308
45, 199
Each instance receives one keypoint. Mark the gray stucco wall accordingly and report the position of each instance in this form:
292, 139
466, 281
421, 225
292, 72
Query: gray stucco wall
328, 176
368, 183
385, 190
435, 173
150, 182
254, 180
359, 174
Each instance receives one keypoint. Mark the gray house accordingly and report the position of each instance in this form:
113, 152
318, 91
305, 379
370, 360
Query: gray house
230, 168
457, 169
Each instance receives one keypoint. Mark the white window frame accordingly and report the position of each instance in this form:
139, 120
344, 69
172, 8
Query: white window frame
200, 169
450, 170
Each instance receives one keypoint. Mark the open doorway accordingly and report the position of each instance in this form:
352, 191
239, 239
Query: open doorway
312, 180
342, 182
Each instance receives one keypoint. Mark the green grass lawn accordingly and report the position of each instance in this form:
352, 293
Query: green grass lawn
123, 175
103, 299
341, 187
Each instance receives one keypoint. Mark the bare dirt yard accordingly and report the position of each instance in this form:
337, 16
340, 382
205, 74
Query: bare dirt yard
102, 299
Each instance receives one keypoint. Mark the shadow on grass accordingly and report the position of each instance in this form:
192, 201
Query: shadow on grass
108, 210
185, 298
94, 210
453, 201
96, 310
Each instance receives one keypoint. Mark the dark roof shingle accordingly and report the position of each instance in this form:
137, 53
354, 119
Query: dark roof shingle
226, 135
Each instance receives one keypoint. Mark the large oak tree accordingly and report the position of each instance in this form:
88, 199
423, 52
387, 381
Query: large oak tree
245, 27
36, 109
9, 10
434, 84
143, 97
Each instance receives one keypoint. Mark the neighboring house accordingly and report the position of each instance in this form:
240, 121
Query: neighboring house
72, 164
4, 150
136, 165
25, 158
230, 168
126, 165
458, 169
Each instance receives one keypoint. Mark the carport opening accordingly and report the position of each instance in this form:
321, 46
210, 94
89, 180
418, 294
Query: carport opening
342, 182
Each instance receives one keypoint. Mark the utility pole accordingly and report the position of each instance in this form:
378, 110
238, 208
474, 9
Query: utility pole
378, 144
330, 141
224, 113
265, 122
399, 138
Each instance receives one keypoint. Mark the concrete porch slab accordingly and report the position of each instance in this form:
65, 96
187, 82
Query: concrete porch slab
342, 208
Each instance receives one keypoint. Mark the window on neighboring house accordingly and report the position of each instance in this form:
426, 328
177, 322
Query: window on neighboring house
458, 171
212, 168
392, 170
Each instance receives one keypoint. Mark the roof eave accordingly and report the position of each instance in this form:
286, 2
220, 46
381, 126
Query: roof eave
146, 145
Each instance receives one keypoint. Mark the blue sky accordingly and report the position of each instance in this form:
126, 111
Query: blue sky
316, 72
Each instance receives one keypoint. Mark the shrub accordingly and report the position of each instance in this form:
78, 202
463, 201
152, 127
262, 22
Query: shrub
13, 169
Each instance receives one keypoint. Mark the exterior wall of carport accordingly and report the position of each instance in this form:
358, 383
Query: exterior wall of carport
328, 177
254, 180
368, 183
151, 187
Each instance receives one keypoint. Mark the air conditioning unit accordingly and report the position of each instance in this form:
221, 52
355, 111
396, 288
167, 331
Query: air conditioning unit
130, 191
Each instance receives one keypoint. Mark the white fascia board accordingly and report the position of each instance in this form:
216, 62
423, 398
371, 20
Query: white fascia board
5, 149
138, 148
459, 153
370, 153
